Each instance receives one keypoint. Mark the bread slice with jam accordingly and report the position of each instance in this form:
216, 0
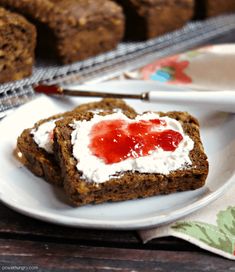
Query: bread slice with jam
122, 156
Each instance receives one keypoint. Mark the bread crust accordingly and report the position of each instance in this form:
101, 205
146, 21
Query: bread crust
129, 185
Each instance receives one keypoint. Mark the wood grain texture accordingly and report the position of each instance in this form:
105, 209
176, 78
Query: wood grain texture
67, 257
26, 242
15, 225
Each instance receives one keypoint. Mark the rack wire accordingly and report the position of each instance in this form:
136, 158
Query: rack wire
126, 57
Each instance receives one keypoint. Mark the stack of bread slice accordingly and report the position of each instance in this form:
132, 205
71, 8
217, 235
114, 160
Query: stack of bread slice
58, 165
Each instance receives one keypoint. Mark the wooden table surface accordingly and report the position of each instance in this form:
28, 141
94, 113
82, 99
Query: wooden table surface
30, 245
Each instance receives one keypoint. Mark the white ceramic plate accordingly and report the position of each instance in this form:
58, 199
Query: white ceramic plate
30, 195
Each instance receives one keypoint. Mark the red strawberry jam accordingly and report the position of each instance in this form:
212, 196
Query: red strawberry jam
117, 140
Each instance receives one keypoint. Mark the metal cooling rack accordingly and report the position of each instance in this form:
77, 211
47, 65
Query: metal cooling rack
128, 56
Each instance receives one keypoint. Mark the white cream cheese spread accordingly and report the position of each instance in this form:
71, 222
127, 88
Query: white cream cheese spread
159, 161
43, 135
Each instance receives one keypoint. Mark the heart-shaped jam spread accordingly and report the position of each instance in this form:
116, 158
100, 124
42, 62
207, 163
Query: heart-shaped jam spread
117, 140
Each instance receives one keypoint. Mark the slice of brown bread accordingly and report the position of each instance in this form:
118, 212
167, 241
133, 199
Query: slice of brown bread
42, 163
210, 8
129, 185
17, 44
151, 18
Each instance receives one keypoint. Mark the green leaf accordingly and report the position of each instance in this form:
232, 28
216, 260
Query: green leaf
206, 233
226, 221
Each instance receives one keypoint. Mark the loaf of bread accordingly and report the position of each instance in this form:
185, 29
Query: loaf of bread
73, 30
150, 18
38, 156
91, 178
17, 44
210, 8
